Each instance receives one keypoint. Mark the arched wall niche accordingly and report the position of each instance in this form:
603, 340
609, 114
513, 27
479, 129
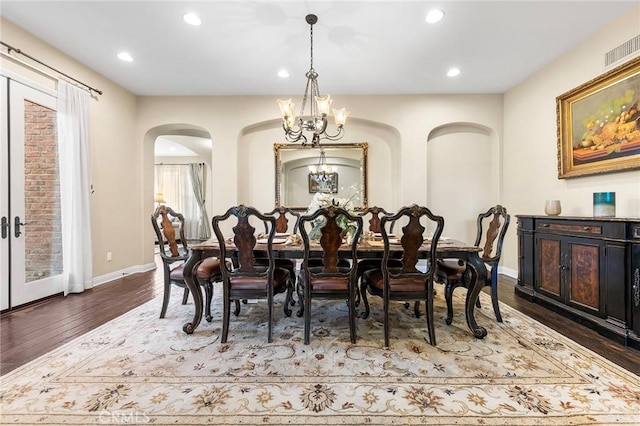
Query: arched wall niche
464, 173
148, 161
256, 160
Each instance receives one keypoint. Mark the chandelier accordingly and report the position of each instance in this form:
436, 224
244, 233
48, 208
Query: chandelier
322, 167
316, 122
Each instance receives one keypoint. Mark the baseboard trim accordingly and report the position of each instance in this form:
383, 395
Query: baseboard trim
513, 273
102, 279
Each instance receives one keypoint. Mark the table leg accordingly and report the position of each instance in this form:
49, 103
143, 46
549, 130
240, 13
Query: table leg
194, 258
478, 272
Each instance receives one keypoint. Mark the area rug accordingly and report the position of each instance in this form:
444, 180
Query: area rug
139, 369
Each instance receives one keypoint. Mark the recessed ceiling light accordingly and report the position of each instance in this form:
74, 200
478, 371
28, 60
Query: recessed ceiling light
192, 19
434, 16
283, 73
125, 56
453, 72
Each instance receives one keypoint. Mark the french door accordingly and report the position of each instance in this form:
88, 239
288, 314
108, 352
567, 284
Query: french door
31, 237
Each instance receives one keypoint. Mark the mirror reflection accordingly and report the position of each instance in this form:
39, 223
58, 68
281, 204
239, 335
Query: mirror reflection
336, 169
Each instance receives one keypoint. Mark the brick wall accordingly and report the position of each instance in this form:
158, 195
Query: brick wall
43, 236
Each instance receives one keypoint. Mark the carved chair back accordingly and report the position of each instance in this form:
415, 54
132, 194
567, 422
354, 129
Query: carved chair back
284, 216
171, 240
491, 229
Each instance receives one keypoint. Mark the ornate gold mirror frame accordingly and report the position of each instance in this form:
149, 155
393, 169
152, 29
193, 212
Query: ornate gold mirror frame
342, 174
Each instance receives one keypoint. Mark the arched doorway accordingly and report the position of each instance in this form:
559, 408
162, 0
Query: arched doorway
187, 136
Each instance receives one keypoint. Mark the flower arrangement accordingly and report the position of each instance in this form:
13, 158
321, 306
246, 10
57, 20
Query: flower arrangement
322, 200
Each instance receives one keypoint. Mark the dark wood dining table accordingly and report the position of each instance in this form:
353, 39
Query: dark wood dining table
446, 248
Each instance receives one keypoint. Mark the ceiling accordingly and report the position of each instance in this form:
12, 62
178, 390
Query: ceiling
360, 47
178, 146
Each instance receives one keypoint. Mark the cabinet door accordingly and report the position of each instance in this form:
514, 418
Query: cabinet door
585, 273
526, 251
634, 289
549, 264
614, 286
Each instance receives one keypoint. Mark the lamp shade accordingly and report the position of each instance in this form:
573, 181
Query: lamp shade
286, 107
341, 116
324, 104
159, 198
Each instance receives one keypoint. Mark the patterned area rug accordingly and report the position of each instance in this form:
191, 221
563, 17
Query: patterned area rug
139, 369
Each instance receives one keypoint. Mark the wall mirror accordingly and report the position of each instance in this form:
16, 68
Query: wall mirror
336, 169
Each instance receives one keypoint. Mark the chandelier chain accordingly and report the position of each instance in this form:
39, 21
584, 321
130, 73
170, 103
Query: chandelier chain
311, 44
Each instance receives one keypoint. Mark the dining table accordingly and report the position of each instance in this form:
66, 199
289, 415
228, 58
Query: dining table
367, 249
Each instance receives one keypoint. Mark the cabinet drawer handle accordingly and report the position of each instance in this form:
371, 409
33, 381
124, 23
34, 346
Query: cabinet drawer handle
545, 225
586, 228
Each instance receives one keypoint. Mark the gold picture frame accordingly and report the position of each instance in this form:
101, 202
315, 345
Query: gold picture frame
599, 124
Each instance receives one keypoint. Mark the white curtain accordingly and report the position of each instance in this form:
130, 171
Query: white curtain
75, 187
174, 182
197, 177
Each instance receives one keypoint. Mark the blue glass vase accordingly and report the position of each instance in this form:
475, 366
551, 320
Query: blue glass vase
604, 204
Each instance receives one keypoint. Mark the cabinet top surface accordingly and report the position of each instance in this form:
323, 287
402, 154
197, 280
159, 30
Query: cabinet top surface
587, 218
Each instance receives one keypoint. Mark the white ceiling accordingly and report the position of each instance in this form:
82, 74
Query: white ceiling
360, 47
182, 146
167, 146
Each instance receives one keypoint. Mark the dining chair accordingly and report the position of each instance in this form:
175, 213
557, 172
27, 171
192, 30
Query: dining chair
408, 282
453, 272
323, 277
249, 280
374, 213
174, 251
284, 216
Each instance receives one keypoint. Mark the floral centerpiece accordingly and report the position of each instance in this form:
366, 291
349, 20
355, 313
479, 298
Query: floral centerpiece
322, 200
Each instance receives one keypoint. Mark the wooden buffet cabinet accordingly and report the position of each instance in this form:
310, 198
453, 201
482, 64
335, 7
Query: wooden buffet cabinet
586, 268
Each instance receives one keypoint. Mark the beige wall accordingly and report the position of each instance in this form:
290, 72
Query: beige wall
530, 141
244, 129
521, 137
115, 155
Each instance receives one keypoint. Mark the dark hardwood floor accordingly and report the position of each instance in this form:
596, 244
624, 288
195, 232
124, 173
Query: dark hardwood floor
31, 331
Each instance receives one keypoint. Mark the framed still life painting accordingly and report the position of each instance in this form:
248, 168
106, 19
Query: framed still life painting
599, 124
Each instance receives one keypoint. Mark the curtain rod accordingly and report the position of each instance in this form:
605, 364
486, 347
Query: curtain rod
177, 164
20, 52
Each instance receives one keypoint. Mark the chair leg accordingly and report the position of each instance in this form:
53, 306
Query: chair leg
208, 295
165, 299
226, 313
288, 299
352, 314
448, 295
430, 325
386, 322
292, 283
494, 296
185, 296
270, 318
236, 311
416, 308
363, 293
300, 291
307, 313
